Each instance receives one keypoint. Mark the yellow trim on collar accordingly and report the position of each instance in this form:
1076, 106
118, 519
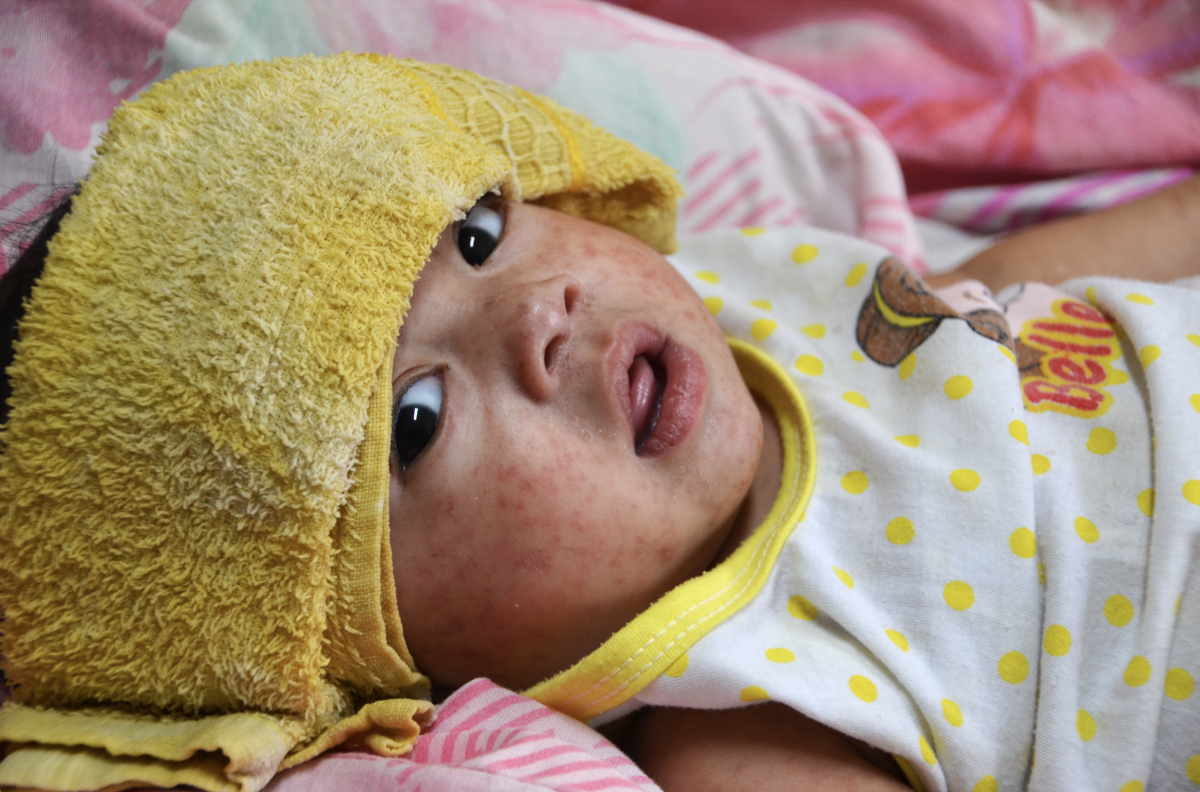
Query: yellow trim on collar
648, 645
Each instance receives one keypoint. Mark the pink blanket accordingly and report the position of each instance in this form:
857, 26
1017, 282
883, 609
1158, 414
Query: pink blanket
484, 738
988, 91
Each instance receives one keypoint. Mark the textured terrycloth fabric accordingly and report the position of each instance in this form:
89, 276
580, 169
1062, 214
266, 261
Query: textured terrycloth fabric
195, 571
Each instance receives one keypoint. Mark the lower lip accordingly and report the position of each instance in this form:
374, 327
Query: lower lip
682, 400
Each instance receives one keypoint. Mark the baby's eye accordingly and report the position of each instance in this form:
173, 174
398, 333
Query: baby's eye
417, 418
479, 233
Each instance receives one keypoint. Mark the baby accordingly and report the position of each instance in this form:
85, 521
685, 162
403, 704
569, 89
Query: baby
782, 470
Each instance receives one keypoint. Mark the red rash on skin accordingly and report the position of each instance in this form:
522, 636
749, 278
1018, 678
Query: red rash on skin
529, 530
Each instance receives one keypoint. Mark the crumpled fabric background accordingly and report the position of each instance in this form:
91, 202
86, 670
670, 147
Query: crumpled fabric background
1002, 113
754, 144
991, 90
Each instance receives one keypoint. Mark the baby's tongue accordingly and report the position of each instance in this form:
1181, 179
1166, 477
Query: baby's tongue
643, 393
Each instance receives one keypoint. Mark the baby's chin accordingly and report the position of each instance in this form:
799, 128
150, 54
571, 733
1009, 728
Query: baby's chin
546, 635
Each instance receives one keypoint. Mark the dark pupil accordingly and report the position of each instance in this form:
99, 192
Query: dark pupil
475, 244
414, 429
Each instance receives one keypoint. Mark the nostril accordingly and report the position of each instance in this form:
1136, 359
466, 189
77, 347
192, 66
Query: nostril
552, 351
572, 296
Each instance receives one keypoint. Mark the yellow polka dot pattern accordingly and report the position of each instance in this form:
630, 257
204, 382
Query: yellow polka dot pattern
863, 688
986, 784
1193, 769
901, 531
1019, 432
952, 712
801, 608
754, 693
1140, 299
1101, 441
708, 277
1179, 684
761, 329
753, 231
959, 595
855, 482
802, 254
1058, 640
1058, 643
958, 387
1013, 667
813, 330
1085, 724
1145, 502
1023, 543
1137, 673
810, 365
677, 668
1118, 610
964, 480
714, 305
1086, 529
857, 399
926, 752
1194, 338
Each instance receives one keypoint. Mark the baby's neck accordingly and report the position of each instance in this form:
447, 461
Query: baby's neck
763, 490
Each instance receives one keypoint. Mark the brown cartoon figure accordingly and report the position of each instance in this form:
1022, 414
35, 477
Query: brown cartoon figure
901, 312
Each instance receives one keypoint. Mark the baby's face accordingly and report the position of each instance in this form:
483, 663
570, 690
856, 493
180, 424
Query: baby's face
592, 445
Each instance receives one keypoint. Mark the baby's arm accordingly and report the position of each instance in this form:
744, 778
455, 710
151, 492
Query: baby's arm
762, 747
1156, 238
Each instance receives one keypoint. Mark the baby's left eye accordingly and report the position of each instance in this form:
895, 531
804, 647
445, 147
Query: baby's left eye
479, 232
416, 418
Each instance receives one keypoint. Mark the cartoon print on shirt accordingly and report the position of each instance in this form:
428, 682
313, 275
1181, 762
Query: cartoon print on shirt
901, 312
1066, 359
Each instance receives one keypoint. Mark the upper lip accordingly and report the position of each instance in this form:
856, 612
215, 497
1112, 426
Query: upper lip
632, 339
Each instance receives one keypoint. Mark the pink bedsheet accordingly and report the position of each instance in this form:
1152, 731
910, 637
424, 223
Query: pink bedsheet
988, 91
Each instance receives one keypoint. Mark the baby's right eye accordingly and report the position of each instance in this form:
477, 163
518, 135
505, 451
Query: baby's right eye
416, 418
479, 232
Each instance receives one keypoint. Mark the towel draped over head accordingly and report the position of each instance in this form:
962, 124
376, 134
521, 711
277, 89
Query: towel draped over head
195, 572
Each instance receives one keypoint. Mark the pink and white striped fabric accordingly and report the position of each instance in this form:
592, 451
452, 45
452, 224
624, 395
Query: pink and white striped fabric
485, 738
1002, 209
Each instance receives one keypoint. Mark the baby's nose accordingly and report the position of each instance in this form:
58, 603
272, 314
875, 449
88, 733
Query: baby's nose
538, 331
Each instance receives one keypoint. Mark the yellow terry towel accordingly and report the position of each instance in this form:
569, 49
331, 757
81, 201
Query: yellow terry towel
195, 571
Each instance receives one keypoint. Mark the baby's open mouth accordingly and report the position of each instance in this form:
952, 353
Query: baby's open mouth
647, 379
